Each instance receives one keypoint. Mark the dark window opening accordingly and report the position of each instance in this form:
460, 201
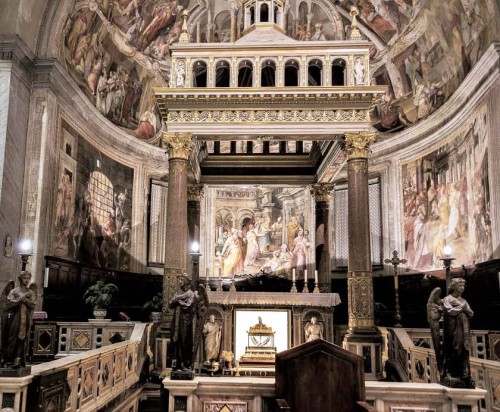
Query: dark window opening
264, 13
338, 73
222, 74
292, 74
200, 74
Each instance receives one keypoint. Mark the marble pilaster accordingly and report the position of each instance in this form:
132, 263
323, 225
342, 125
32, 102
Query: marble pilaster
179, 146
362, 337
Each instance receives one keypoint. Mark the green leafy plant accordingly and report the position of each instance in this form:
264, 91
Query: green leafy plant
155, 304
99, 296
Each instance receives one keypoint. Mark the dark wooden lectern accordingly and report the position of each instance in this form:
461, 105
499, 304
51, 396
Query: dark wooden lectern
320, 376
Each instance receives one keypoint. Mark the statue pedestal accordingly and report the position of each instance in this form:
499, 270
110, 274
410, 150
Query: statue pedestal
15, 372
182, 375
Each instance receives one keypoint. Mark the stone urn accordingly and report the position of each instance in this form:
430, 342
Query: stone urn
100, 313
156, 316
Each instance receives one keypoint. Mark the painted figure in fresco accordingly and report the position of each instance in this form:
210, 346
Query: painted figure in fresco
313, 330
252, 249
285, 259
292, 229
147, 124
212, 332
124, 247
77, 30
265, 234
221, 240
17, 304
299, 251
318, 33
232, 254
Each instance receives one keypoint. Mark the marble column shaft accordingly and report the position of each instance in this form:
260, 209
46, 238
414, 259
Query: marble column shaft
179, 147
359, 283
321, 193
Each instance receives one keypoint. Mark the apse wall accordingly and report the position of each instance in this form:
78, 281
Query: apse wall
441, 177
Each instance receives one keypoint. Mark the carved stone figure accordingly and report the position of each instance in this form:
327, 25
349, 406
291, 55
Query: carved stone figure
359, 72
212, 332
313, 330
455, 349
8, 247
186, 327
17, 305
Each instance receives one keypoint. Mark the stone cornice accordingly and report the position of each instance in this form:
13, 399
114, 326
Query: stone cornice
13, 50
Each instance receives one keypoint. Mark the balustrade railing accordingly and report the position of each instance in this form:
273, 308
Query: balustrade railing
419, 363
94, 377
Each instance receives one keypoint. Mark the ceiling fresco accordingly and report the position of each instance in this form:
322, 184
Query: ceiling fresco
118, 50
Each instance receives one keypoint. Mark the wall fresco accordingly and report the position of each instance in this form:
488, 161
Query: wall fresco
446, 200
260, 229
93, 209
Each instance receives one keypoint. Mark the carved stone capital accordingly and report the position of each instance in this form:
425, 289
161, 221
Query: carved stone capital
322, 191
357, 144
179, 145
195, 192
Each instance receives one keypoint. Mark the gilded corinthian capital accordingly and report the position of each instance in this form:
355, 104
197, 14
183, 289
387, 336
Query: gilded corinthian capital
322, 191
179, 145
357, 144
196, 192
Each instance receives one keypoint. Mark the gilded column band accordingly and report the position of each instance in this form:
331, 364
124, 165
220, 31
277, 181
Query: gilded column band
360, 288
179, 145
357, 144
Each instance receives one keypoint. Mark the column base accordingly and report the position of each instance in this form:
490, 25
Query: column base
367, 343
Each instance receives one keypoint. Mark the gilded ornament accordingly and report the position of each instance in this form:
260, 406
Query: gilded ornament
360, 292
359, 167
179, 145
271, 116
357, 144
322, 191
195, 192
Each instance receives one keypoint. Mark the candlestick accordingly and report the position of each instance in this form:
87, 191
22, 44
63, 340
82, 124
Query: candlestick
294, 287
208, 274
293, 275
316, 288
305, 289
315, 276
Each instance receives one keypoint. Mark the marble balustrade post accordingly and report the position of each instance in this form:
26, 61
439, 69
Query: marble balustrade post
322, 193
179, 146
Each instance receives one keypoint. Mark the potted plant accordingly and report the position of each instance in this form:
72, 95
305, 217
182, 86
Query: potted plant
99, 296
155, 306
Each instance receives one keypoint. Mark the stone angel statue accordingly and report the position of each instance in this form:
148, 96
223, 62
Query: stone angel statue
17, 305
453, 351
313, 330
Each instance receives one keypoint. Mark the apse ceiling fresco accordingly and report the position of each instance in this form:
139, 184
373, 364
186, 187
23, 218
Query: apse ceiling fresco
118, 50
